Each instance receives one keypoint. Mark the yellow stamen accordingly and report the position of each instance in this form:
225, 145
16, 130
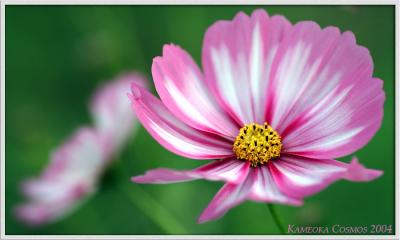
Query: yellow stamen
257, 143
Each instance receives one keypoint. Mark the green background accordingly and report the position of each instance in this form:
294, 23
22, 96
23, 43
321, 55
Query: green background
57, 55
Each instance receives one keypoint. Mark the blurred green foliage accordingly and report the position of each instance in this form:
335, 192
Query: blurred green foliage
57, 55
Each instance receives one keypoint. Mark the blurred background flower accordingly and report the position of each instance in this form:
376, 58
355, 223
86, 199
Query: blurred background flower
75, 167
56, 56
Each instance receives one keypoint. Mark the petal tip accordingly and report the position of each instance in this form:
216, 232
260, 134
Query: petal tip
200, 221
203, 218
135, 91
298, 203
136, 179
357, 172
259, 12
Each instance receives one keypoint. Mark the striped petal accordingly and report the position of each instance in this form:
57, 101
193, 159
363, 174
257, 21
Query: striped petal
237, 58
299, 176
322, 97
229, 196
181, 87
229, 170
265, 189
172, 133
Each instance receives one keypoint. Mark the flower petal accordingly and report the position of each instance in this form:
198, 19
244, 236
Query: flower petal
356, 172
229, 170
300, 176
85, 144
35, 214
173, 134
70, 178
322, 98
266, 190
227, 197
180, 85
38, 212
111, 109
237, 59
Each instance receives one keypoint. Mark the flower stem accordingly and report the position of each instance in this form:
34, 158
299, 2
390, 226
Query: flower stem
277, 221
153, 210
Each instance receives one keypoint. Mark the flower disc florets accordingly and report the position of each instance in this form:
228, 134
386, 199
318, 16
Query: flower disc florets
257, 143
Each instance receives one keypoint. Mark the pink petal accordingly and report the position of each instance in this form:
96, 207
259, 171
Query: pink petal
180, 85
227, 197
34, 214
237, 59
43, 212
67, 163
300, 176
111, 109
172, 133
358, 173
45, 190
230, 170
266, 190
285, 181
71, 176
322, 97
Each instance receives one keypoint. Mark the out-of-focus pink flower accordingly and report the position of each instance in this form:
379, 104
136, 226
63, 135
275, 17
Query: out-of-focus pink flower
275, 104
76, 166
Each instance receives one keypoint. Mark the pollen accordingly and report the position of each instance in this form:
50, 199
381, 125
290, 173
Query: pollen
257, 144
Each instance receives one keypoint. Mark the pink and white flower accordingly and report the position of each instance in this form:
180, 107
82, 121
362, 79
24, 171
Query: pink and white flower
77, 165
275, 104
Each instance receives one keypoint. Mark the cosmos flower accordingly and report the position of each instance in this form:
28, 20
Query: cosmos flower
76, 166
275, 104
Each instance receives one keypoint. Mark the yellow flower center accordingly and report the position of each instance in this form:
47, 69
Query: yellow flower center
257, 143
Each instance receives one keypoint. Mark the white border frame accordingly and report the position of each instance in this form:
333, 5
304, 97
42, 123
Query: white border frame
201, 2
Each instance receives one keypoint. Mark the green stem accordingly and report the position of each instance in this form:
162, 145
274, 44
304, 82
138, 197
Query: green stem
155, 211
277, 221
